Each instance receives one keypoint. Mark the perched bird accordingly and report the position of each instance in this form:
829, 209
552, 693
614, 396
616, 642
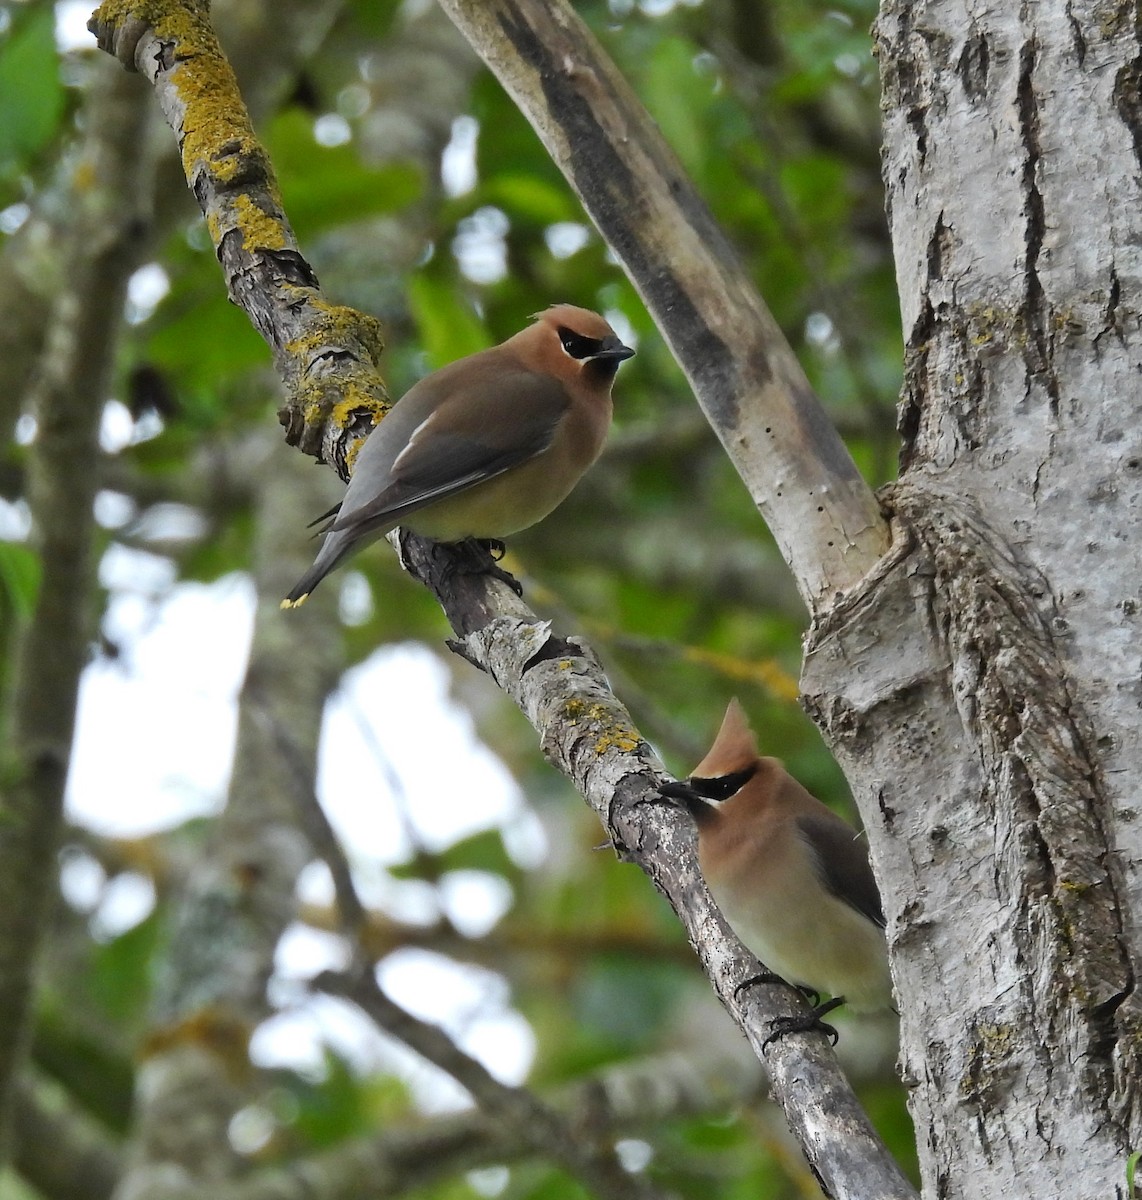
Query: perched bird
789, 875
487, 445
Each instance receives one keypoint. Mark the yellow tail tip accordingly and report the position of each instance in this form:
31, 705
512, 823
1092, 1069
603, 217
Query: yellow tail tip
287, 603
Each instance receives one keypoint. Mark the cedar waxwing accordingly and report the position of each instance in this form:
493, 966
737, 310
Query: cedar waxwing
485, 446
789, 875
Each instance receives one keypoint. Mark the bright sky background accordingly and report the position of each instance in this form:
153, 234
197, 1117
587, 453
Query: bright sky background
155, 734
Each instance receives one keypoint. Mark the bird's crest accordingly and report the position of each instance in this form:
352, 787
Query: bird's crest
734, 749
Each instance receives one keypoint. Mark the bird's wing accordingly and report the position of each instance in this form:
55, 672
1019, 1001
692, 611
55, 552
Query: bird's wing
489, 423
842, 862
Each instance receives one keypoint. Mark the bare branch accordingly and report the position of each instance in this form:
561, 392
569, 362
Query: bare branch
585, 732
545, 1130
824, 517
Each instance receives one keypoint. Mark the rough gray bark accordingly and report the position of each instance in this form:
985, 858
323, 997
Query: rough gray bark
982, 690
67, 401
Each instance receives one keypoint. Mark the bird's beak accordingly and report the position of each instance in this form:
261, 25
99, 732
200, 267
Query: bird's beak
612, 350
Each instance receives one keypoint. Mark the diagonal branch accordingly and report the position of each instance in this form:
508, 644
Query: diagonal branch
67, 402
746, 377
326, 354
545, 1129
558, 683
585, 732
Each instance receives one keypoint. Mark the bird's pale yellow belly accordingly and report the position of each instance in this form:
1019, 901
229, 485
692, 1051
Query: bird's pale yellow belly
500, 506
808, 936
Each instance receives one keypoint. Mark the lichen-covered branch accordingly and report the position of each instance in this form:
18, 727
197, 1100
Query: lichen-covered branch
557, 683
824, 517
326, 354
585, 732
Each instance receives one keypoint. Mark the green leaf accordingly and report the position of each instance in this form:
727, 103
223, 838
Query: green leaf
202, 338
1131, 1168
31, 95
522, 195
20, 571
448, 327
482, 851
327, 186
121, 970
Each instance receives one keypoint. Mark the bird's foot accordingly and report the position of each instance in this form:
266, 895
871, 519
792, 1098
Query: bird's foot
471, 558
806, 1022
761, 977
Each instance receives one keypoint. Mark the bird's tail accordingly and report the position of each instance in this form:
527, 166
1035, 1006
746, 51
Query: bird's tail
333, 550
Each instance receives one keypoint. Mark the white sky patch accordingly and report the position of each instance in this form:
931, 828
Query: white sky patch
458, 162
81, 879
71, 25
127, 899
565, 238
489, 1181
355, 603
146, 290
821, 332
625, 330
474, 900
481, 247
394, 743
634, 1153
303, 952
156, 727
469, 1003
12, 217
116, 427
113, 509
169, 523
331, 129
15, 520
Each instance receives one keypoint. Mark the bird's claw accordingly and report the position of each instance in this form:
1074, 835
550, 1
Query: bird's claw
471, 558
805, 1023
761, 977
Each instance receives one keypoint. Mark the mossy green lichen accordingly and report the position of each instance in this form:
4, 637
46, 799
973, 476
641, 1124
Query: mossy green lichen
216, 132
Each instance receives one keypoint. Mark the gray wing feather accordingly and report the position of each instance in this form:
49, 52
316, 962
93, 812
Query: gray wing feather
422, 470
842, 862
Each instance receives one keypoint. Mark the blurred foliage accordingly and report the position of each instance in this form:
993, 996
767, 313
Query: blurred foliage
659, 557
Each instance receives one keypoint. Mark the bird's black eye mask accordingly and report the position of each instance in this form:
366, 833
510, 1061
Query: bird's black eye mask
696, 789
577, 345
722, 787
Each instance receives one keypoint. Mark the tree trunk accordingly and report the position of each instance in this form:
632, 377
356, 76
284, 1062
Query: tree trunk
982, 689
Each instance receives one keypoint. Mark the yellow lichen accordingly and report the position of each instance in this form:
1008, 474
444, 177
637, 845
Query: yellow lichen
260, 230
